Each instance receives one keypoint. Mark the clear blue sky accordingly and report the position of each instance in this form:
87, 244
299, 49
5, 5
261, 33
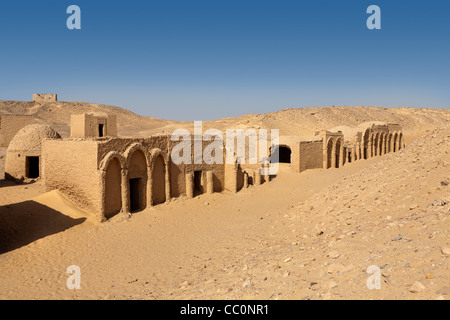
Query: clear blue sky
208, 59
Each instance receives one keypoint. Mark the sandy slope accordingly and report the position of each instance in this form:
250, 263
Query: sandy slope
302, 236
58, 114
292, 121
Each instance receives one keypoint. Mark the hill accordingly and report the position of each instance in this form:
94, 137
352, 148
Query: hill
311, 235
57, 114
292, 121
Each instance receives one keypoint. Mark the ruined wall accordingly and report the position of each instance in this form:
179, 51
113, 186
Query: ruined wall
310, 155
250, 165
41, 97
111, 126
295, 156
333, 149
113, 188
178, 174
77, 125
106, 176
181, 173
24, 151
16, 164
87, 126
170, 182
71, 167
121, 145
293, 144
11, 124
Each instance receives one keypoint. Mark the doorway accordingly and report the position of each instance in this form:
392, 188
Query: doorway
135, 194
198, 183
284, 154
32, 167
100, 130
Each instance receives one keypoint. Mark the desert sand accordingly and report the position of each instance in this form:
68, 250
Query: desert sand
309, 235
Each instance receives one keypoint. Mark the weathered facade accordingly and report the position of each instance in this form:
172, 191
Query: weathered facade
369, 139
88, 125
45, 97
111, 175
340, 145
23, 157
302, 153
107, 175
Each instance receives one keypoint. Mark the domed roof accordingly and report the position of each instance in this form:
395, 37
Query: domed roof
30, 137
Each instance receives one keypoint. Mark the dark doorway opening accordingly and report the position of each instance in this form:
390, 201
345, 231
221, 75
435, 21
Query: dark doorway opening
338, 153
158, 180
284, 154
198, 187
100, 130
366, 145
135, 194
329, 152
32, 167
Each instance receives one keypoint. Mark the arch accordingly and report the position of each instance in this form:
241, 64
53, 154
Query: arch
382, 144
372, 151
385, 143
113, 187
137, 178
330, 146
389, 142
159, 177
395, 142
338, 153
158, 152
366, 144
344, 155
112, 166
131, 150
376, 144
400, 140
109, 156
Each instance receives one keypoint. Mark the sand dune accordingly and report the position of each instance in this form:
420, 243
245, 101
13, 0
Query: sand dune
57, 201
292, 121
302, 236
57, 114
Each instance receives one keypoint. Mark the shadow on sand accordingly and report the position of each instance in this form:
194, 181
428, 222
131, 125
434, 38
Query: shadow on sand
11, 183
25, 222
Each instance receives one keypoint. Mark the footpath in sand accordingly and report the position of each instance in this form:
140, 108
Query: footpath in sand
302, 236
